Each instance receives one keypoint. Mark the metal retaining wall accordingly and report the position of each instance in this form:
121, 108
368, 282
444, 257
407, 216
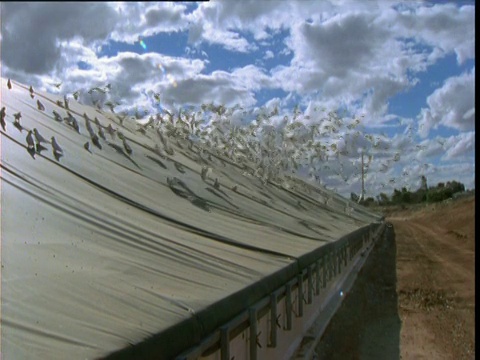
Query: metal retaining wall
289, 322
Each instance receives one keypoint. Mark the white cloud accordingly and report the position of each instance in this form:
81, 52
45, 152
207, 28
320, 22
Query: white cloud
460, 146
143, 19
222, 87
452, 105
32, 31
444, 26
268, 54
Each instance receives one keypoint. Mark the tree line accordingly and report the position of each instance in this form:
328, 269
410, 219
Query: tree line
424, 194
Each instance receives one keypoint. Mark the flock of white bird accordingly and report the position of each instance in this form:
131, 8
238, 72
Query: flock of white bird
265, 144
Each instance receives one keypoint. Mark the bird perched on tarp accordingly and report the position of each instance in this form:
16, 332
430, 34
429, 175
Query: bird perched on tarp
179, 168
2, 119
111, 131
86, 146
72, 122
204, 173
16, 121
127, 147
39, 137
17, 116
9, 84
31, 90
96, 141
57, 150
30, 142
40, 106
56, 147
101, 134
57, 116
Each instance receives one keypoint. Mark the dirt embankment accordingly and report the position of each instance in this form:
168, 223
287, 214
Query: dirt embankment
415, 297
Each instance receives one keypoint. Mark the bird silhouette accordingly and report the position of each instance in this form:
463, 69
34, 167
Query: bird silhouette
72, 122
96, 141
9, 84
30, 142
86, 146
40, 106
57, 116
111, 131
56, 147
2, 119
101, 134
16, 121
127, 147
39, 137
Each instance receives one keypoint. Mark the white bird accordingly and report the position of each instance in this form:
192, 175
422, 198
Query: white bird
127, 147
56, 147
65, 100
2, 118
86, 146
96, 141
40, 106
57, 116
39, 137
30, 142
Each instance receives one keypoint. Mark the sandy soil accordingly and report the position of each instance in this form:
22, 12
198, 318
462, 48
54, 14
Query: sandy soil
436, 280
415, 297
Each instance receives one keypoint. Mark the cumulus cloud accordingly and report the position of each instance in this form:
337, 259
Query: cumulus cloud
268, 55
461, 145
443, 26
32, 31
452, 105
143, 19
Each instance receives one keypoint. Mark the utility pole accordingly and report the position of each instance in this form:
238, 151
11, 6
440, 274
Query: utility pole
362, 195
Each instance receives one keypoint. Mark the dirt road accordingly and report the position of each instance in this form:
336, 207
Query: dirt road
436, 280
415, 297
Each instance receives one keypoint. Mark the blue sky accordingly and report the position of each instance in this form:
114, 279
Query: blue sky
407, 67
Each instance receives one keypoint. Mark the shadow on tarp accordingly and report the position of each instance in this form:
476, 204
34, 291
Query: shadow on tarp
367, 325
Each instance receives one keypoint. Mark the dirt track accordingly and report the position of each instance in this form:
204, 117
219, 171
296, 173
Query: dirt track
436, 280
415, 297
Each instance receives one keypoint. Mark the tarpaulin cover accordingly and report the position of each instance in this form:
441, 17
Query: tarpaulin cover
100, 251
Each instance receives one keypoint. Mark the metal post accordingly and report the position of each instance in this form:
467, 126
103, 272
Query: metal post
273, 322
253, 333
288, 305
317, 277
224, 343
300, 294
310, 285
